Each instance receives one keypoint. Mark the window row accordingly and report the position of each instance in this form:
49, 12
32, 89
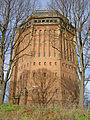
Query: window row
45, 40
50, 63
50, 55
45, 32
44, 74
44, 20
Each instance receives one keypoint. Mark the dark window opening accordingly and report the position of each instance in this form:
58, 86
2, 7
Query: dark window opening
47, 20
39, 63
50, 20
43, 20
35, 20
44, 74
34, 74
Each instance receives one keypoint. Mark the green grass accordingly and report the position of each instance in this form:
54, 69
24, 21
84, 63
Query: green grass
17, 112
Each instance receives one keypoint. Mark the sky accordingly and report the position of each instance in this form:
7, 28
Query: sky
44, 4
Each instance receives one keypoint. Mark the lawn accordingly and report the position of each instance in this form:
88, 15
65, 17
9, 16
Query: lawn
16, 112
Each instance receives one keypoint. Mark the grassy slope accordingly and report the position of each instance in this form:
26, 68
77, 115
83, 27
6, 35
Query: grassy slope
16, 112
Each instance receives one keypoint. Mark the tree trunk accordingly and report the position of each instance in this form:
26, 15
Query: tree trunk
81, 97
2, 94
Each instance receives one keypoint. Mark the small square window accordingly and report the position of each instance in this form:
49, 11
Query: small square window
39, 20
39, 63
50, 63
55, 63
34, 63
50, 20
47, 20
35, 21
44, 63
43, 20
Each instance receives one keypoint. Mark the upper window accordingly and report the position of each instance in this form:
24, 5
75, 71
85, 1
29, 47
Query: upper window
54, 40
45, 32
40, 32
39, 54
50, 40
50, 31
35, 40
44, 54
35, 31
0, 74
40, 40
34, 55
54, 31
49, 54
44, 40
54, 54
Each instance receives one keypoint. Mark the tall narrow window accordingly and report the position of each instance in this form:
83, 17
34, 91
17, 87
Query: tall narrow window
44, 54
34, 74
40, 32
35, 31
54, 54
34, 55
35, 40
50, 55
50, 31
44, 40
39, 55
40, 40
45, 32
54, 40
54, 31
50, 40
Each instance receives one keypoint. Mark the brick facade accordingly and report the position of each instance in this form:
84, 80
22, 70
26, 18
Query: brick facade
48, 48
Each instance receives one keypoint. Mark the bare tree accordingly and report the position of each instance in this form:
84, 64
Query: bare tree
78, 14
44, 87
12, 14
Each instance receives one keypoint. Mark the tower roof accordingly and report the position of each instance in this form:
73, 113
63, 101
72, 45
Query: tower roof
46, 14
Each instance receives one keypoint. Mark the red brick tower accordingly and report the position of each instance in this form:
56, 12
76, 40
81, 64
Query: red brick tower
50, 47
